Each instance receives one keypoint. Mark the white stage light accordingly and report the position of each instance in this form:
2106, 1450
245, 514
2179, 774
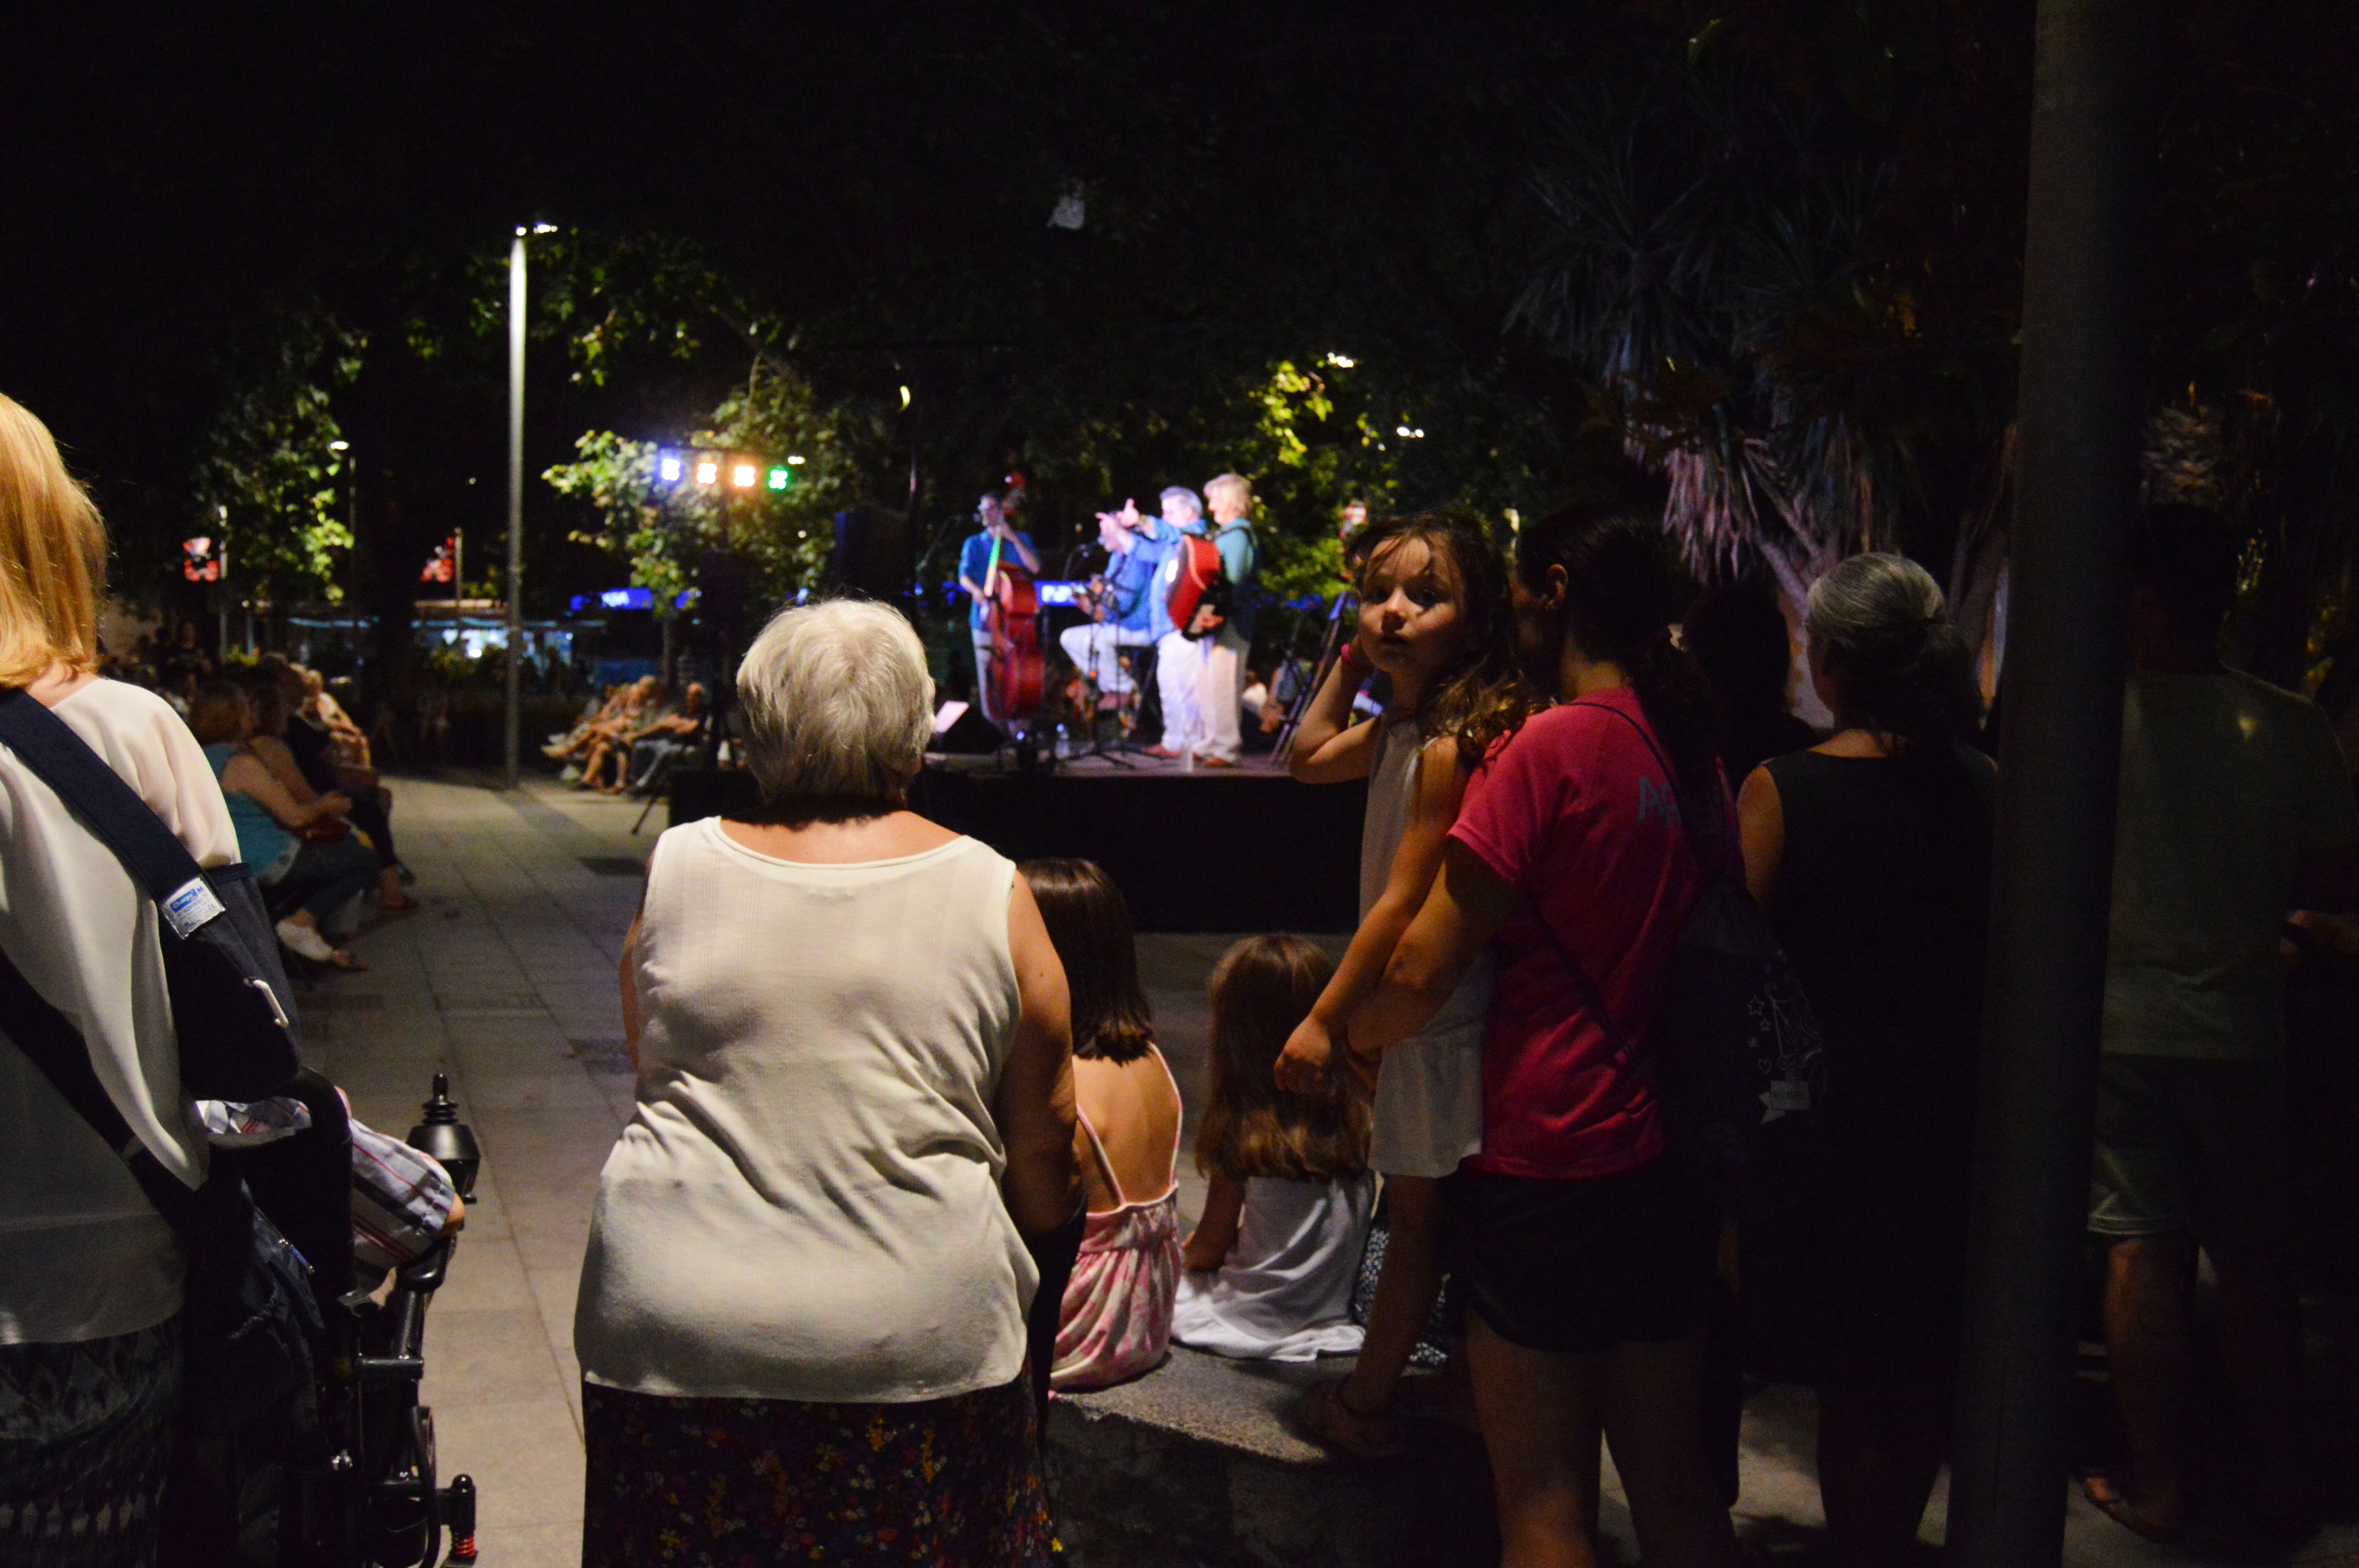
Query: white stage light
708, 472
668, 468
743, 476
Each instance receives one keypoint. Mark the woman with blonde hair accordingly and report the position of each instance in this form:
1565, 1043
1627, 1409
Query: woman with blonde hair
803, 1310
91, 1277
1221, 665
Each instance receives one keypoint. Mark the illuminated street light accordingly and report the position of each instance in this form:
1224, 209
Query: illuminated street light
743, 476
708, 472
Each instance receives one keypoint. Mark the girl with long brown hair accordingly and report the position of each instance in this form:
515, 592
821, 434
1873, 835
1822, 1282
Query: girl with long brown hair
1272, 1260
1434, 618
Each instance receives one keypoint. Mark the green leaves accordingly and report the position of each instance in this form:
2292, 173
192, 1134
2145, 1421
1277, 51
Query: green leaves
663, 528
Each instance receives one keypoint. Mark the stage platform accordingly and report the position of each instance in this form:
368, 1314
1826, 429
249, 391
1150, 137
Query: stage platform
1223, 849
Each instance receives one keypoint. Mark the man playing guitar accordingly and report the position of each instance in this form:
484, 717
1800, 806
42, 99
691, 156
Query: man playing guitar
1120, 612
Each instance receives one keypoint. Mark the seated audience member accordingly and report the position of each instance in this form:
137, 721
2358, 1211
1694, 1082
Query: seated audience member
802, 1314
596, 710
320, 709
1272, 1263
91, 1275
1871, 853
2236, 809
1738, 638
322, 876
606, 737
667, 735
303, 758
1116, 1321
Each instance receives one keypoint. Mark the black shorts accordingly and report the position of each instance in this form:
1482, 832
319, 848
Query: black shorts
1576, 1268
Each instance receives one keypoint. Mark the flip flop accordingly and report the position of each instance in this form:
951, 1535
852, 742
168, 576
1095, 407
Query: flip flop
2106, 1501
1328, 1418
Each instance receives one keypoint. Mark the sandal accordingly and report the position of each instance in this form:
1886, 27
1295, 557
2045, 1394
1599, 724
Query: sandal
1330, 1419
342, 959
2116, 1505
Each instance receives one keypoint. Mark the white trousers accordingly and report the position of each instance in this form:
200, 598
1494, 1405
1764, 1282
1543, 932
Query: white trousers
1177, 668
1095, 645
1220, 688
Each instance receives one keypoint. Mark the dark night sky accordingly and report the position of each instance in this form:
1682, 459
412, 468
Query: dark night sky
888, 169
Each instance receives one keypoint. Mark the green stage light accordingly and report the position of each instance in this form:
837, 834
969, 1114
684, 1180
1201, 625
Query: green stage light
779, 478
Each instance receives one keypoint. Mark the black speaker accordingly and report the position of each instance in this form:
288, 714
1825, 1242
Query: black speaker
968, 733
871, 553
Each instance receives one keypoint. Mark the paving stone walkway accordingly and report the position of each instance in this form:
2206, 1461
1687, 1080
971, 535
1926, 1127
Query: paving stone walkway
505, 980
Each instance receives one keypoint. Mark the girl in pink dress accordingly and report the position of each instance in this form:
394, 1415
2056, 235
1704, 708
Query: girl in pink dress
1116, 1321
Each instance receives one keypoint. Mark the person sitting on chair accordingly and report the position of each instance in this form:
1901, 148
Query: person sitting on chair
1123, 615
656, 746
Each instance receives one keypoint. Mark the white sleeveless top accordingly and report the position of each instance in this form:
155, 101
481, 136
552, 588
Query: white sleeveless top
806, 1203
1428, 1104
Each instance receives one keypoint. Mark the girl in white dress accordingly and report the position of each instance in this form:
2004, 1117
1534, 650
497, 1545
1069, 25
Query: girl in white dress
1271, 1263
1434, 618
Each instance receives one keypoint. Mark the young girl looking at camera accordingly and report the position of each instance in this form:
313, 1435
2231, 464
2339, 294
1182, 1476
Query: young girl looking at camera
1272, 1261
1116, 1318
1434, 618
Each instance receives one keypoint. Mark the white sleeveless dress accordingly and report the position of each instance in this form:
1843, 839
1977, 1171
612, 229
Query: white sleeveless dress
1429, 1105
1284, 1293
806, 1203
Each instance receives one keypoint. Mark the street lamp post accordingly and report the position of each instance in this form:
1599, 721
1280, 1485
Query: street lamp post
516, 510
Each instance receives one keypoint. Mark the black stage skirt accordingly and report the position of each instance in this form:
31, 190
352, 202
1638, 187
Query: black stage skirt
722, 1483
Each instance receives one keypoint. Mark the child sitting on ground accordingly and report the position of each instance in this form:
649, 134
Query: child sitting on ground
1115, 1319
1272, 1261
1434, 617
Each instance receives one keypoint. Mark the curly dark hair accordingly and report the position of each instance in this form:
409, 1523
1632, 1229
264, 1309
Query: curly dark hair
1485, 695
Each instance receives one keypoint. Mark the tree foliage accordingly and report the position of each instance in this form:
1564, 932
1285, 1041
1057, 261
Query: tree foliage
270, 466
663, 529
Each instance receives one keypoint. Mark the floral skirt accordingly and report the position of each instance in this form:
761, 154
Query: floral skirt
722, 1483
86, 1433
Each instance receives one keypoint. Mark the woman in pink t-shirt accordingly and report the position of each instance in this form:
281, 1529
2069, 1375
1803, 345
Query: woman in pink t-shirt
1586, 1253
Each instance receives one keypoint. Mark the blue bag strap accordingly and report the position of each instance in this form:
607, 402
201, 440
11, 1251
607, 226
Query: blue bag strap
93, 791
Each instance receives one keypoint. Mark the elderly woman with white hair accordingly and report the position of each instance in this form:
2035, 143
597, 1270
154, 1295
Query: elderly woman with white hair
801, 1325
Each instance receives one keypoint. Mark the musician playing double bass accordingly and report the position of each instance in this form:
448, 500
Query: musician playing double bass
993, 528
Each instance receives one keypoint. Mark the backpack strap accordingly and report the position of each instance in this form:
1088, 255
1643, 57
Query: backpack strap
1591, 997
111, 809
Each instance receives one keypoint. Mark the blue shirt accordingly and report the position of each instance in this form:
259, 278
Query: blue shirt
261, 842
1162, 540
1131, 576
974, 560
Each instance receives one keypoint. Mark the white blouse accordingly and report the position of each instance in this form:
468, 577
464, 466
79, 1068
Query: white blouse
83, 1254
806, 1203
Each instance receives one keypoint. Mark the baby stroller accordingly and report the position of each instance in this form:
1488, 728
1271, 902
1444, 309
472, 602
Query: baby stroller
357, 1487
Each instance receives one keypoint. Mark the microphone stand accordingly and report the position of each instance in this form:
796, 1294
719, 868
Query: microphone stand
1330, 648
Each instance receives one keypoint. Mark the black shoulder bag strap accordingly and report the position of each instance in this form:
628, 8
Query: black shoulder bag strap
53, 1044
232, 1006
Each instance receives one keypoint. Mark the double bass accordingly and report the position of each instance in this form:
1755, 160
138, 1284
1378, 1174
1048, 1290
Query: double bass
1013, 617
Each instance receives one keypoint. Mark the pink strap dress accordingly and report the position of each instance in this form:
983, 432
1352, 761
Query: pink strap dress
1116, 1321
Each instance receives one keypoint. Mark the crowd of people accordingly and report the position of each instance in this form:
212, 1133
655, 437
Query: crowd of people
868, 1214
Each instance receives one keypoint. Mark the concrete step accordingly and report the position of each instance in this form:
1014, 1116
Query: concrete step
1202, 1464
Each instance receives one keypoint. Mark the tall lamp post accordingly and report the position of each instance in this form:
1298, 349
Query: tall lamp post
516, 501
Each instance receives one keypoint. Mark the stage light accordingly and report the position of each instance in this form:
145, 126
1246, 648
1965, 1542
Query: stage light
743, 476
796, 461
1412, 435
1342, 361
708, 472
778, 478
904, 397
544, 228
668, 468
